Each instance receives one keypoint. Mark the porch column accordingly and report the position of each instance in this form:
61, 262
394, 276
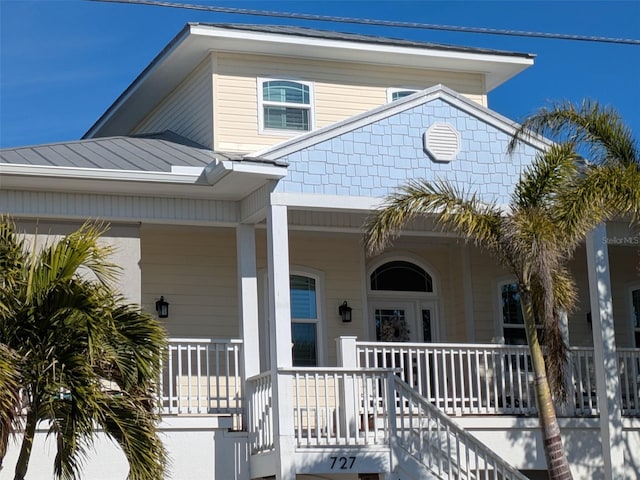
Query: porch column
248, 301
605, 357
280, 338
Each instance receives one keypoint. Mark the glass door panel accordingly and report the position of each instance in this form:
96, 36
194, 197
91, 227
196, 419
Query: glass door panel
392, 325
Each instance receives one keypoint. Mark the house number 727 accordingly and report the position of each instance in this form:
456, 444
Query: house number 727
342, 463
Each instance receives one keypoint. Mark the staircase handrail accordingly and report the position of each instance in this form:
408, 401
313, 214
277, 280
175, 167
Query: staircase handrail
477, 456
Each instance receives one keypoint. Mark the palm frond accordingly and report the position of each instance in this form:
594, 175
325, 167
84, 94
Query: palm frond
470, 218
12, 253
549, 172
60, 262
9, 396
601, 194
134, 351
133, 427
596, 129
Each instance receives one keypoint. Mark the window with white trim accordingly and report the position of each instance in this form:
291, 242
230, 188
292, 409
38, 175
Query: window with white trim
635, 314
394, 94
285, 105
304, 320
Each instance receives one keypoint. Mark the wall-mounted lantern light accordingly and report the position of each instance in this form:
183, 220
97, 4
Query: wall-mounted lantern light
162, 308
345, 312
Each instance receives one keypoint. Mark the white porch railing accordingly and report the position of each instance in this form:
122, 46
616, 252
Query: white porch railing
460, 378
582, 384
202, 376
260, 412
340, 407
331, 407
438, 443
463, 379
629, 366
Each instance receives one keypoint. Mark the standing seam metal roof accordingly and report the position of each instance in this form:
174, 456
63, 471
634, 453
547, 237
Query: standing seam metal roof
156, 152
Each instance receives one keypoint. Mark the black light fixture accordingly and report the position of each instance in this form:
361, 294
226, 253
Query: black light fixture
345, 312
162, 308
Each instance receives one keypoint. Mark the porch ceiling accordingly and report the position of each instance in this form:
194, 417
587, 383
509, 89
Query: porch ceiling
353, 222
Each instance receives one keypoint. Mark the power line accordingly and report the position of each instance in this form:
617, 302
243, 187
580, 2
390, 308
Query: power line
380, 23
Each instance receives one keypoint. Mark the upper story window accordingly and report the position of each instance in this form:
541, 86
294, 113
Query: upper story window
304, 320
635, 314
394, 94
285, 105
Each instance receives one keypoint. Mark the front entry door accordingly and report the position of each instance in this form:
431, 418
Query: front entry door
403, 321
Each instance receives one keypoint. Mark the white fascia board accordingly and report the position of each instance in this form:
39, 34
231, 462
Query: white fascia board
326, 202
314, 201
219, 169
98, 174
362, 52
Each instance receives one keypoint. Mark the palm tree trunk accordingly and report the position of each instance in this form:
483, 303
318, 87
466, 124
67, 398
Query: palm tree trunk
27, 443
557, 463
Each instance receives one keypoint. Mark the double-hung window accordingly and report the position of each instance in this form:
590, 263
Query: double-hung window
304, 320
513, 328
512, 320
285, 105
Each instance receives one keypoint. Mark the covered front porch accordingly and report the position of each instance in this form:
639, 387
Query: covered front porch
338, 386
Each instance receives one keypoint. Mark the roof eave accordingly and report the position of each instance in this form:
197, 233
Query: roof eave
234, 181
194, 42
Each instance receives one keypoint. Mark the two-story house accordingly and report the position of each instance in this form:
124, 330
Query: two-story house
237, 171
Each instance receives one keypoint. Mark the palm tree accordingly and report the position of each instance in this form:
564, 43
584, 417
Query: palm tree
84, 359
556, 202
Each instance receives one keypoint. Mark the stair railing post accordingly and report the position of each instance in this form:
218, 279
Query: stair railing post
348, 359
391, 420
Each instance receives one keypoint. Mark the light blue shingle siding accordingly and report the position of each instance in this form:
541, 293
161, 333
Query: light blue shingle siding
373, 160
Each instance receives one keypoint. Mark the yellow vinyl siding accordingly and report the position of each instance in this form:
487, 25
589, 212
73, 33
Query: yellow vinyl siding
338, 260
341, 90
485, 278
195, 270
187, 111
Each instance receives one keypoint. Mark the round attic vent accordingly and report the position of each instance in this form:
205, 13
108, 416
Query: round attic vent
442, 142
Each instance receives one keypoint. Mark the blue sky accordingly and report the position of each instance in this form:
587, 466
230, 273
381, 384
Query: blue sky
62, 63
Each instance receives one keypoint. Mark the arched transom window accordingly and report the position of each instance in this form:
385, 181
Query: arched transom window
401, 276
